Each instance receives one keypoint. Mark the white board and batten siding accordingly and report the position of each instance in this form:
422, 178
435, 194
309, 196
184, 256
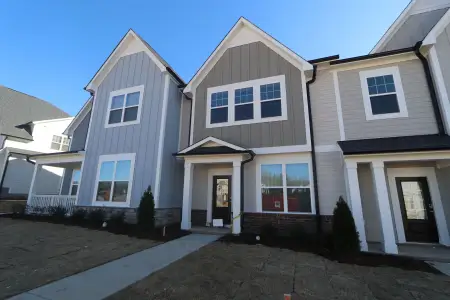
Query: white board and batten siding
142, 138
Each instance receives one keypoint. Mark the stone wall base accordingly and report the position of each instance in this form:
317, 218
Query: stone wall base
163, 216
253, 222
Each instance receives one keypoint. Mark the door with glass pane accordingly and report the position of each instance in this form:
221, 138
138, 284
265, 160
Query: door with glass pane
221, 203
417, 210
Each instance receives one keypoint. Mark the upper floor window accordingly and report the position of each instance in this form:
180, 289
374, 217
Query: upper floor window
60, 143
255, 101
124, 106
383, 94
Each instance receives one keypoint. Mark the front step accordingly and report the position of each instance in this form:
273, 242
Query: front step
210, 230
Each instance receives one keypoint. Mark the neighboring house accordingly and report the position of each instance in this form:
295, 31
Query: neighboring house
260, 135
28, 125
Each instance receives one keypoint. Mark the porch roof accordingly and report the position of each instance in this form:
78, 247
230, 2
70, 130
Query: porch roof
212, 146
66, 159
414, 143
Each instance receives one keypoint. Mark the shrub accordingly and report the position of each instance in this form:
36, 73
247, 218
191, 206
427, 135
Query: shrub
146, 211
96, 217
268, 232
117, 220
345, 237
298, 234
58, 213
78, 216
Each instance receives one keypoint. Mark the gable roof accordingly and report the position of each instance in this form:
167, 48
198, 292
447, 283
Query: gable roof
130, 43
412, 25
17, 109
212, 145
241, 33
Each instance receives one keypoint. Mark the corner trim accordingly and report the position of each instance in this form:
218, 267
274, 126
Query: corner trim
337, 94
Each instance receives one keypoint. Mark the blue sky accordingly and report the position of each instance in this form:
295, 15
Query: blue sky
51, 48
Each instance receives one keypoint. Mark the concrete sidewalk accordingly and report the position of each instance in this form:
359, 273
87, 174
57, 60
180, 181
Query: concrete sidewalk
105, 280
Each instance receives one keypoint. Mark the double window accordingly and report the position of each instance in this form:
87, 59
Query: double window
383, 94
256, 101
124, 107
60, 143
286, 188
114, 178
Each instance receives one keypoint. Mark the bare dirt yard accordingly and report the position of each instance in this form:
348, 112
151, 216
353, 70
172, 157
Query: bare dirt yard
36, 253
239, 271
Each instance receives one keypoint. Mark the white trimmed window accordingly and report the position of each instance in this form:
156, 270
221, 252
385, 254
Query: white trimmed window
75, 184
114, 179
255, 101
286, 188
124, 107
60, 143
383, 94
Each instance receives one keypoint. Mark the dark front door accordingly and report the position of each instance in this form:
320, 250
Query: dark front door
221, 204
417, 210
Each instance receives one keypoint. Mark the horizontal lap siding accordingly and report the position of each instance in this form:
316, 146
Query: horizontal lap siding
443, 52
133, 70
420, 118
249, 62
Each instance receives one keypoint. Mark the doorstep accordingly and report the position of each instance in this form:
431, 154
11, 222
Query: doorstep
210, 230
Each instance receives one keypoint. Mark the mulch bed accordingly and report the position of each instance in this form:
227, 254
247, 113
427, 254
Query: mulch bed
163, 234
362, 259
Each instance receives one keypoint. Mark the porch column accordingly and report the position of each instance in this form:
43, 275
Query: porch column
354, 195
37, 169
236, 197
382, 196
187, 196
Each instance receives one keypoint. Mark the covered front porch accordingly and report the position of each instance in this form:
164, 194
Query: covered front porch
41, 197
401, 201
212, 185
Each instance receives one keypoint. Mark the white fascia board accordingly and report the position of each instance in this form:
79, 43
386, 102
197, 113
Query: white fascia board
87, 107
212, 139
437, 29
117, 53
227, 42
53, 120
394, 27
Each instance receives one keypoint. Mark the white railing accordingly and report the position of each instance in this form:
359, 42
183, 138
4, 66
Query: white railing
41, 203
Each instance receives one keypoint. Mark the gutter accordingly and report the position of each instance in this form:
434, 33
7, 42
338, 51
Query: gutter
372, 56
313, 151
431, 88
252, 156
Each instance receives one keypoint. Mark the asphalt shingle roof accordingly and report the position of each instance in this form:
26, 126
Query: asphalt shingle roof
17, 108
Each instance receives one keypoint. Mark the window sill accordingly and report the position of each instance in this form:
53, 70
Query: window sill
122, 124
247, 122
111, 204
387, 116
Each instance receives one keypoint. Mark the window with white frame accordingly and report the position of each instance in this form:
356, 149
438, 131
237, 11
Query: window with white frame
383, 94
76, 174
114, 179
286, 188
124, 106
255, 101
59, 143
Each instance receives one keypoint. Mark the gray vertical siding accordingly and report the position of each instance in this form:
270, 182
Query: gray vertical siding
443, 52
200, 187
172, 170
324, 110
80, 134
420, 118
443, 178
67, 179
415, 29
132, 70
249, 62
330, 180
185, 123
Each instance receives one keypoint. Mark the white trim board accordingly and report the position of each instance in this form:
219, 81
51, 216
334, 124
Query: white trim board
430, 174
282, 149
211, 173
214, 140
227, 42
337, 94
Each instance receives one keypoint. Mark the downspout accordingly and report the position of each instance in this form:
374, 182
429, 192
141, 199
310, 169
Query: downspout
252, 156
431, 88
313, 151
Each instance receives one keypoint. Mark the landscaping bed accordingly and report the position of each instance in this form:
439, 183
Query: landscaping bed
322, 248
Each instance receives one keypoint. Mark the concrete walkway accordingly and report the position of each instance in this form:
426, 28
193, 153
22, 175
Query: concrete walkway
441, 266
105, 280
